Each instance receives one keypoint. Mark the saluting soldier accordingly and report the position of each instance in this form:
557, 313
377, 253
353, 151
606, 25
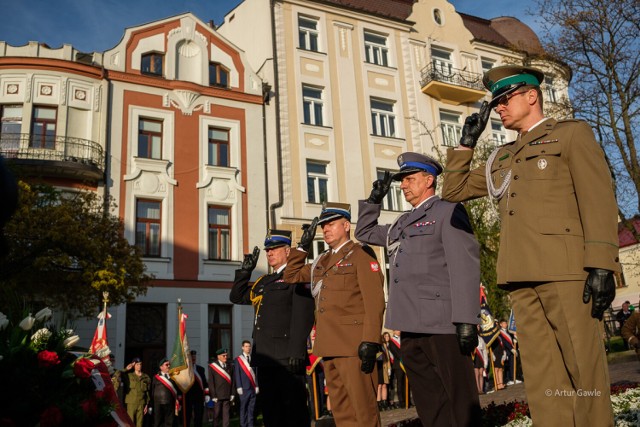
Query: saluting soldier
558, 243
346, 282
137, 385
283, 320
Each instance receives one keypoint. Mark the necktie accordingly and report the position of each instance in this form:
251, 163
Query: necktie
248, 359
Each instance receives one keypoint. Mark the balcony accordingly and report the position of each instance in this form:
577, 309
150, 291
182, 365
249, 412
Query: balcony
59, 156
451, 85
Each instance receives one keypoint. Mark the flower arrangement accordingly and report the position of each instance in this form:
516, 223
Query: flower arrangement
45, 384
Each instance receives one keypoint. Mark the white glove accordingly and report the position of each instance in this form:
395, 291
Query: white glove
150, 410
239, 391
232, 397
257, 390
207, 399
215, 400
513, 350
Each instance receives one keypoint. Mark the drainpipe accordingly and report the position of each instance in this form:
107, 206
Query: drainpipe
266, 90
107, 143
276, 88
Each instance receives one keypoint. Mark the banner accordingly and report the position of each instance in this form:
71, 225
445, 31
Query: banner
511, 326
489, 328
181, 371
99, 344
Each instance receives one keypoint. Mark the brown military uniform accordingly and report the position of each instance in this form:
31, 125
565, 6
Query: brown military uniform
349, 311
558, 219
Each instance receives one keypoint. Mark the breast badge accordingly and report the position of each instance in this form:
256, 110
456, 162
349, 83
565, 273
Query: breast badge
542, 164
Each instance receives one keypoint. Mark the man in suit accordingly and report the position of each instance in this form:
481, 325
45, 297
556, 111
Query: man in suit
246, 383
433, 290
558, 242
348, 288
283, 320
164, 394
194, 400
221, 387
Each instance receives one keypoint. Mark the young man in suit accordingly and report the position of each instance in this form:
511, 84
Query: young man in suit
221, 387
246, 383
283, 321
433, 290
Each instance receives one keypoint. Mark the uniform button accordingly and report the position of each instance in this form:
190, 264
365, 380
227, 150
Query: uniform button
258, 328
567, 230
395, 280
321, 310
403, 235
518, 160
321, 298
324, 287
400, 250
516, 177
512, 212
543, 151
617, 259
397, 265
437, 294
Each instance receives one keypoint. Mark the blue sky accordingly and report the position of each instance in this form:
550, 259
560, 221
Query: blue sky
98, 25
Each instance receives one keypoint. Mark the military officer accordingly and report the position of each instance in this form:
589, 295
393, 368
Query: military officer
347, 284
433, 290
283, 320
558, 243
137, 385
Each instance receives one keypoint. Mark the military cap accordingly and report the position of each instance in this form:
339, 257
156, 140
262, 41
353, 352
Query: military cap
137, 360
333, 211
506, 79
410, 162
221, 351
163, 361
277, 238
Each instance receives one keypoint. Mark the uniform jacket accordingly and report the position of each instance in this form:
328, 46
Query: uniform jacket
220, 388
558, 215
350, 305
136, 388
160, 394
240, 376
284, 317
434, 272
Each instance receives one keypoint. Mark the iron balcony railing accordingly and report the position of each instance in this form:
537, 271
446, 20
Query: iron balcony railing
24, 146
454, 76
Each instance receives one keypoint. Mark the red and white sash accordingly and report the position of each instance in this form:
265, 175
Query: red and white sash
505, 336
168, 384
395, 341
248, 370
220, 371
196, 375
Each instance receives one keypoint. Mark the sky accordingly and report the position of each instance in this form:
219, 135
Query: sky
98, 25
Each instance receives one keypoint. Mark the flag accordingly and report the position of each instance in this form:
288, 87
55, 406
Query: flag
181, 371
99, 344
511, 326
489, 328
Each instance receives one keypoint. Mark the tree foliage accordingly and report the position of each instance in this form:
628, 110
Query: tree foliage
600, 41
65, 249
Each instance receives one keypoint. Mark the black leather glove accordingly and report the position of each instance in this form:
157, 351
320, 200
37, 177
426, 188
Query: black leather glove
296, 365
467, 337
250, 260
367, 352
309, 233
601, 286
474, 125
380, 189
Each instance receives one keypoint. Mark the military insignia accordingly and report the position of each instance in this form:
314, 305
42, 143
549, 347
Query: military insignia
279, 281
400, 159
375, 267
542, 164
503, 172
345, 265
422, 224
547, 141
504, 157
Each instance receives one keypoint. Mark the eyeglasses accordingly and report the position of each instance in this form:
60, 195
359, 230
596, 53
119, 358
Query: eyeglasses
504, 100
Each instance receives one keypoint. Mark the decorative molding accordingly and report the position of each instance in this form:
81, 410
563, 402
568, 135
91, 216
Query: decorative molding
63, 92
97, 98
27, 94
13, 89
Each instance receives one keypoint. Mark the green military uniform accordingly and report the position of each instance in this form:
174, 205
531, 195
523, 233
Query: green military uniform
136, 395
558, 220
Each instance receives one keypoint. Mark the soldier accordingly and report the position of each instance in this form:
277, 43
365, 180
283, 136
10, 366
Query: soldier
283, 320
347, 285
433, 290
137, 385
194, 400
221, 387
558, 243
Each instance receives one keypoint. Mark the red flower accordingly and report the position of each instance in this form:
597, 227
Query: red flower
51, 417
89, 407
82, 368
47, 359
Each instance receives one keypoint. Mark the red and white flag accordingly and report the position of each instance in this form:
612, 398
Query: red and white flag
99, 344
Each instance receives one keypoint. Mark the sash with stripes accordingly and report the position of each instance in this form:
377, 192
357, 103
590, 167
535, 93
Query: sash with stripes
247, 370
220, 371
505, 336
168, 384
396, 342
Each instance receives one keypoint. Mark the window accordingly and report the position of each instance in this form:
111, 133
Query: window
308, 33
487, 64
150, 138
10, 127
152, 63
394, 200
219, 233
218, 75
437, 16
383, 119
317, 180
317, 248
498, 132
312, 105
148, 214
219, 321
375, 49
43, 127
441, 60
451, 128
549, 90
218, 147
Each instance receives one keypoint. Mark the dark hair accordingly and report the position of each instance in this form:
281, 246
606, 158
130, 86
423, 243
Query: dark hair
245, 342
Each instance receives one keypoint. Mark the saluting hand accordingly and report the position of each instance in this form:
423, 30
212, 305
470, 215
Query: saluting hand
601, 286
474, 125
251, 260
380, 189
308, 235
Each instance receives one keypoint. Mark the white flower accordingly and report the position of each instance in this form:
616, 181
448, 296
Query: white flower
103, 352
41, 335
27, 322
43, 314
3, 321
71, 341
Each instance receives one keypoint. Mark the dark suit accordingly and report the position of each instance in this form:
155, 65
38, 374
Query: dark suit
282, 324
194, 399
221, 388
245, 381
163, 402
434, 284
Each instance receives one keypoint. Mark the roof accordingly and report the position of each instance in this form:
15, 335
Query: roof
505, 31
625, 236
398, 10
